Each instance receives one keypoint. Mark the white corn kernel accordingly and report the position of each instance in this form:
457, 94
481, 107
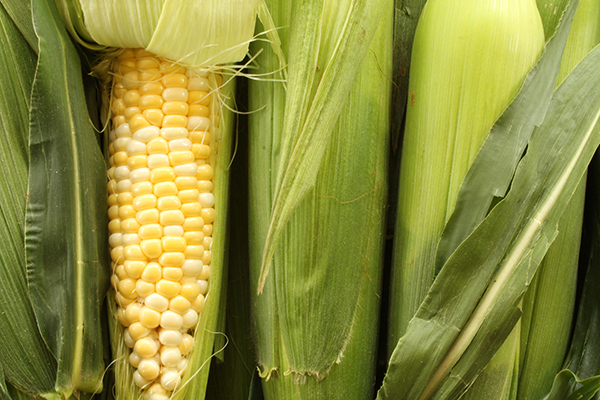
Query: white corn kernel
207, 200
169, 378
171, 320
136, 147
171, 133
158, 160
196, 123
170, 356
140, 175
146, 134
169, 337
156, 302
190, 169
180, 144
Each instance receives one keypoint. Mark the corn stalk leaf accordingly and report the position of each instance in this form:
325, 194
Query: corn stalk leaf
491, 173
26, 361
474, 301
66, 211
320, 79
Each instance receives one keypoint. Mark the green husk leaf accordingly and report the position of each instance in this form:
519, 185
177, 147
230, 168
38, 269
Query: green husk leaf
551, 12
548, 306
491, 173
66, 231
4, 394
26, 361
329, 72
20, 13
316, 318
407, 14
476, 295
565, 384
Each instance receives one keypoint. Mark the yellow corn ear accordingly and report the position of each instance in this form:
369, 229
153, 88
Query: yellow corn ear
161, 210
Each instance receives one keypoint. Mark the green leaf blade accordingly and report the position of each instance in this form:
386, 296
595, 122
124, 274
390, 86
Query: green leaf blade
66, 212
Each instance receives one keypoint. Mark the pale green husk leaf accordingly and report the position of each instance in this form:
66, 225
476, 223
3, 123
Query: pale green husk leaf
190, 32
473, 303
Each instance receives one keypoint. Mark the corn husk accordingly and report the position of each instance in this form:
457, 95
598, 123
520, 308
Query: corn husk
549, 303
458, 89
26, 362
316, 308
465, 322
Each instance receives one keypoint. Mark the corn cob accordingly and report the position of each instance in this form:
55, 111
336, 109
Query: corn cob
160, 210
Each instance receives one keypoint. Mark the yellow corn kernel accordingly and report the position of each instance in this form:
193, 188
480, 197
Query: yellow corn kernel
170, 356
141, 188
149, 369
162, 174
190, 291
119, 90
175, 120
138, 122
126, 212
134, 269
131, 98
199, 97
129, 225
193, 224
191, 209
152, 248
151, 101
144, 288
155, 117
198, 304
168, 288
171, 217
126, 66
152, 231
151, 88
207, 229
201, 150
208, 215
205, 172
173, 243
157, 302
150, 75
186, 344
180, 157
180, 304
188, 195
175, 80
147, 216
207, 257
194, 252
122, 301
138, 331
198, 110
120, 158
124, 199
168, 203
171, 320
145, 202
171, 259
149, 318
132, 313
186, 182
165, 189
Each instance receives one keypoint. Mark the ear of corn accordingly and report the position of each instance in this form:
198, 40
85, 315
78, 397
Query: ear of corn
459, 87
26, 362
315, 319
169, 154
